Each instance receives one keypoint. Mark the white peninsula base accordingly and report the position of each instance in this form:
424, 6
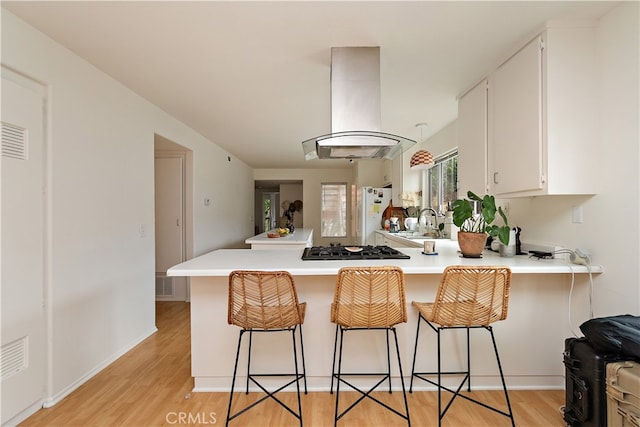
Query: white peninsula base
530, 340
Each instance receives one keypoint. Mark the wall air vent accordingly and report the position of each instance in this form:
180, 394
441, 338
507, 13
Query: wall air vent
14, 142
13, 358
164, 286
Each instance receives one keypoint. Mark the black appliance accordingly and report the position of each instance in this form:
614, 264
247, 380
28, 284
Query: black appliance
339, 252
585, 384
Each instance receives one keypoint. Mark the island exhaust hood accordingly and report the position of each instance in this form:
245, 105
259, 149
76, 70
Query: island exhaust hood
355, 111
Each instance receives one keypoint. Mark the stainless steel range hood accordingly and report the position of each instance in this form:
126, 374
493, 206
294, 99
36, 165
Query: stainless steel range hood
355, 111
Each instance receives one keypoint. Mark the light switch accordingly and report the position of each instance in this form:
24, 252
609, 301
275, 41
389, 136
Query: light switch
576, 214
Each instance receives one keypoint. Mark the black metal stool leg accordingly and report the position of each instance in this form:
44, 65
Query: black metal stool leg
439, 381
468, 361
333, 364
504, 384
233, 381
415, 352
295, 362
404, 393
304, 367
455, 393
297, 376
335, 418
388, 358
249, 361
367, 393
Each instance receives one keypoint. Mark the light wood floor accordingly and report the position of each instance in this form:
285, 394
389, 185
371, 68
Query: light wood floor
151, 386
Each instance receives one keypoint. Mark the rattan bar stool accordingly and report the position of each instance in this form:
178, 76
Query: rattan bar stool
469, 297
266, 301
368, 298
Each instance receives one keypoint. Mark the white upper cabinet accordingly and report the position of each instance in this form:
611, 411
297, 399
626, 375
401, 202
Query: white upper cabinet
517, 122
472, 141
540, 128
544, 128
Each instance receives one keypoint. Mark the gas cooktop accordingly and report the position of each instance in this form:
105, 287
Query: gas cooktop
339, 252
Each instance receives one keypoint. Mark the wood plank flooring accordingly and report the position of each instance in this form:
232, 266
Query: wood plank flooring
151, 386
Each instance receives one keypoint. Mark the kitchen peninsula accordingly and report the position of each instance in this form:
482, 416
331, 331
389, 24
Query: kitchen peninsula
531, 338
299, 239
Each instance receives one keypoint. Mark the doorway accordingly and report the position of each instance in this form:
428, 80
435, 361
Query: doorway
271, 196
171, 171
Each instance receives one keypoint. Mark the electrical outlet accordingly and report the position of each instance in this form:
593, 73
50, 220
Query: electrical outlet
582, 252
560, 252
580, 256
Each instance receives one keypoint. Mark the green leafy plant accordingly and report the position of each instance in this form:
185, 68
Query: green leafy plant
463, 217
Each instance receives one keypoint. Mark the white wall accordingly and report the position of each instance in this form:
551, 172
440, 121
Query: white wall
100, 205
311, 181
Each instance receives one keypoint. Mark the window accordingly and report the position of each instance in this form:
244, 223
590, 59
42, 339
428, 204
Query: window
443, 182
333, 217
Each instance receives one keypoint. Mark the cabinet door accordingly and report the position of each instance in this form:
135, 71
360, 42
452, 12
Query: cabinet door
517, 140
391, 243
379, 239
472, 141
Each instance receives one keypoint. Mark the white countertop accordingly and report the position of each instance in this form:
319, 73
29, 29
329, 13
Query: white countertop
221, 262
298, 237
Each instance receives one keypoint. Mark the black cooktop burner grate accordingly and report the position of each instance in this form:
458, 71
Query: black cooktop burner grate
338, 252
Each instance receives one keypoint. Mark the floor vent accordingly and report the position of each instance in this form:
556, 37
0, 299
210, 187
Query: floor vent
14, 142
13, 358
164, 286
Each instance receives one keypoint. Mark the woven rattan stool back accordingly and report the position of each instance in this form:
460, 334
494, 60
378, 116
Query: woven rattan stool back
263, 300
472, 296
369, 297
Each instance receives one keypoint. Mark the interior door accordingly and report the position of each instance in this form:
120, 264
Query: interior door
22, 257
169, 196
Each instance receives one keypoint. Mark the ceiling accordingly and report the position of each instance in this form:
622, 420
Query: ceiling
253, 77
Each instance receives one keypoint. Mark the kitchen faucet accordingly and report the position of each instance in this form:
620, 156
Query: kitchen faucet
435, 214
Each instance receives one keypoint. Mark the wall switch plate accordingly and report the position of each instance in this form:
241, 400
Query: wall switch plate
576, 214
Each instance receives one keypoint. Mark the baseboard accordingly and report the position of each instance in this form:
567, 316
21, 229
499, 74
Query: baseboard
32, 409
51, 401
322, 384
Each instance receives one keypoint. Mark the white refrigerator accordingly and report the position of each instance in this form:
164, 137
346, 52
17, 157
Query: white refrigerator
370, 203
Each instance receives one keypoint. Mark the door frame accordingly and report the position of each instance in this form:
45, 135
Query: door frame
166, 148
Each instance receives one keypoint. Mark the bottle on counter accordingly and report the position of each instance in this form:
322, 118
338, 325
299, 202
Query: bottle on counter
448, 222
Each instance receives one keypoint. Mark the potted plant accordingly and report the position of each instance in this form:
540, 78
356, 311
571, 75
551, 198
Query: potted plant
475, 226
